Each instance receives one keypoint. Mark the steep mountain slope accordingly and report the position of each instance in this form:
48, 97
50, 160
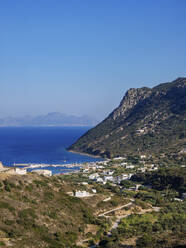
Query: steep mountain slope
146, 120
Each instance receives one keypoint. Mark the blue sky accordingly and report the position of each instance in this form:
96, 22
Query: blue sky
80, 57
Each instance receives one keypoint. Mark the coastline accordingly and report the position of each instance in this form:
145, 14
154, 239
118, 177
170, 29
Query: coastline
84, 153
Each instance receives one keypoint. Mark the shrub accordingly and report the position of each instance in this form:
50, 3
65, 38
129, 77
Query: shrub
40, 183
29, 212
48, 195
145, 241
7, 188
9, 222
6, 205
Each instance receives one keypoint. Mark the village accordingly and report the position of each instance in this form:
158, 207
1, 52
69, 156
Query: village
116, 172
113, 171
107, 187
100, 171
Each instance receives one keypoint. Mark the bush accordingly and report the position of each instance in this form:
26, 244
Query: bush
48, 195
145, 241
7, 188
29, 212
40, 183
29, 188
9, 222
6, 205
140, 203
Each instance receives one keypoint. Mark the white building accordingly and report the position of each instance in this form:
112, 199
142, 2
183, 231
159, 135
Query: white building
20, 171
130, 166
184, 195
118, 158
94, 191
99, 166
84, 183
143, 156
108, 178
142, 169
140, 131
12, 170
99, 180
82, 194
124, 164
93, 176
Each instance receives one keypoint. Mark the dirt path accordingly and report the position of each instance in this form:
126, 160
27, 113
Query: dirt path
115, 209
143, 211
118, 219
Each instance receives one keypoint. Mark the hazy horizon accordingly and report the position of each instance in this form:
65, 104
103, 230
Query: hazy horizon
43, 114
80, 57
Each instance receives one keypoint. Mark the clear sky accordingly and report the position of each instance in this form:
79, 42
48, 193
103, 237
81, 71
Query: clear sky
80, 56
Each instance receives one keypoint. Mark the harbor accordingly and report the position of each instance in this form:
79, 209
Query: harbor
42, 165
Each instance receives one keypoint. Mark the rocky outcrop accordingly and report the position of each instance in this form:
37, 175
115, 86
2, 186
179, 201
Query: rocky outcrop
131, 98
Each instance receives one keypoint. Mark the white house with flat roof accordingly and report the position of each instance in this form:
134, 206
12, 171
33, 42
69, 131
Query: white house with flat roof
93, 176
20, 171
81, 194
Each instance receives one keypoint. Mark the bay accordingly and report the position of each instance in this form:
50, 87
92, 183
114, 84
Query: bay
41, 145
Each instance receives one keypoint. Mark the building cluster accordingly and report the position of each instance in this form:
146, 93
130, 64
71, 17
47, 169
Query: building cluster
105, 171
107, 176
12, 170
22, 171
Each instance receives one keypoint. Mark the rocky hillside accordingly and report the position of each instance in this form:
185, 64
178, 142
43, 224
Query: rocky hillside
146, 120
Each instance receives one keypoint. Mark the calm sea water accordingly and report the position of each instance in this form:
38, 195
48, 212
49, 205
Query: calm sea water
40, 145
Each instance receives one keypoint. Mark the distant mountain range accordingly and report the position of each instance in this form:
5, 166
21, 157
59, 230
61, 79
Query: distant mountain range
50, 119
147, 120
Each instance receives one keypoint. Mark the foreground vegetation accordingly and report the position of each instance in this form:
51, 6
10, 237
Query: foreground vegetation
36, 211
164, 227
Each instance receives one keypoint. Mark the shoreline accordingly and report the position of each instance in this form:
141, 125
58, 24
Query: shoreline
86, 154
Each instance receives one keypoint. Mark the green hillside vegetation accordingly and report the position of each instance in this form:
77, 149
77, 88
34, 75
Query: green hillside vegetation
169, 178
35, 212
165, 227
147, 120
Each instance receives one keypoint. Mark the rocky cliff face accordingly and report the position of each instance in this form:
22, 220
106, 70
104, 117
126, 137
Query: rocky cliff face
146, 120
131, 98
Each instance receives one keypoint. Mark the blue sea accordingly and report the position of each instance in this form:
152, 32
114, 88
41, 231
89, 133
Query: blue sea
41, 145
